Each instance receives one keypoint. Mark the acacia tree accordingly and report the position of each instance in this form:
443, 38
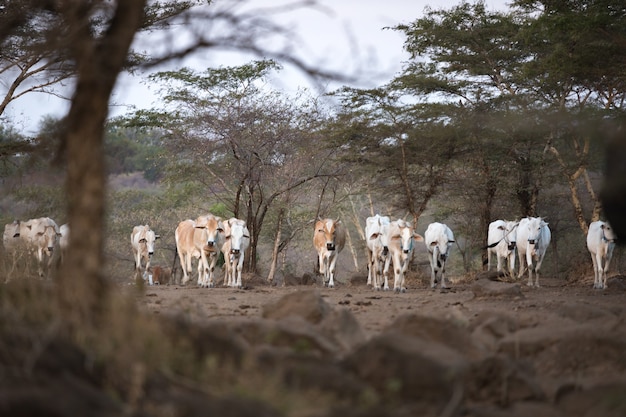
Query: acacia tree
578, 71
250, 149
96, 37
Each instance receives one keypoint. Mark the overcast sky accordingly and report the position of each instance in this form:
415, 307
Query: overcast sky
342, 35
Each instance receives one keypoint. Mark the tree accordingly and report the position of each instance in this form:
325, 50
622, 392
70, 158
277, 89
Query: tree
248, 148
97, 37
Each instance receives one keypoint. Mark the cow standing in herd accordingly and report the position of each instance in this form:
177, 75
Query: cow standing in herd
600, 243
38, 236
201, 239
142, 240
401, 240
376, 232
438, 239
329, 239
502, 241
533, 240
237, 241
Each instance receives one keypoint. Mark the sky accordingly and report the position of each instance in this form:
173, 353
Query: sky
340, 35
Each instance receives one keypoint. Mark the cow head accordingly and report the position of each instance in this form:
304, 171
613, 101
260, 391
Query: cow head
407, 236
214, 230
534, 225
510, 234
238, 232
148, 238
608, 235
328, 228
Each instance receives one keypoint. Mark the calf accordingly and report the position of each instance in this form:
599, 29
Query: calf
400, 240
533, 239
329, 238
600, 242
438, 239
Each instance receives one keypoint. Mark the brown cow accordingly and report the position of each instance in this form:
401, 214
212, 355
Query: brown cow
329, 239
202, 238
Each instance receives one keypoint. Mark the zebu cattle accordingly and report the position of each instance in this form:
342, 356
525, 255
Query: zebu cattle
329, 239
533, 239
401, 240
203, 239
377, 249
142, 241
438, 239
501, 241
600, 242
37, 235
237, 241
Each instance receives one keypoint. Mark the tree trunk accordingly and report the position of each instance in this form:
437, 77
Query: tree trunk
279, 226
82, 290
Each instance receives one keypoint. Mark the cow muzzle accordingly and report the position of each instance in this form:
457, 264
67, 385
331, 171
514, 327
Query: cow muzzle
512, 245
330, 246
385, 250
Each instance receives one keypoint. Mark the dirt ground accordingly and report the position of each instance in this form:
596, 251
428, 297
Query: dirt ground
557, 350
375, 310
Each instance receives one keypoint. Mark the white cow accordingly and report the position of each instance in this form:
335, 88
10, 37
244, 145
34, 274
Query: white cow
401, 240
142, 241
501, 241
64, 240
438, 239
600, 242
38, 235
377, 248
203, 239
533, 239
329, 239
237, 241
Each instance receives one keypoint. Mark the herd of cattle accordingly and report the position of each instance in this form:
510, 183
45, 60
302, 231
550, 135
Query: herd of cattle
389, 244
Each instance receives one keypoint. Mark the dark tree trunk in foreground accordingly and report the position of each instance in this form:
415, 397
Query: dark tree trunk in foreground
82, 287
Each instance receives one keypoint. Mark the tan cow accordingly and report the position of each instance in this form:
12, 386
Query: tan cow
237, 241
142, 240
38, 236
329, 239
401, 240
203, 239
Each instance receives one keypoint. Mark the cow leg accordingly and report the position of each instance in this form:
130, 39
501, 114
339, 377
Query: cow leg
40, 262
239, 270
605, 269
499, 262
331, 270
384, 263
433, 269
443, 276
371, 260
385, 274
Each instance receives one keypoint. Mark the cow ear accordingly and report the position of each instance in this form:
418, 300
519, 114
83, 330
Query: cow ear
418, 237
157, 236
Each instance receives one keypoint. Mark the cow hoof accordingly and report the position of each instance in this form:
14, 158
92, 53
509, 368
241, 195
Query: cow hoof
396, 290
386, 288
403, 290
376, 288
